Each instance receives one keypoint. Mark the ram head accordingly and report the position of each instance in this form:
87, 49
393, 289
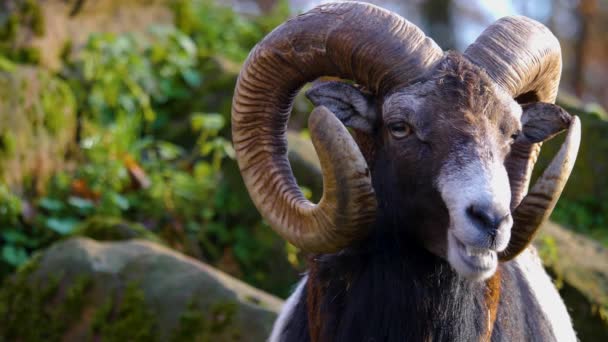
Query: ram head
442, 145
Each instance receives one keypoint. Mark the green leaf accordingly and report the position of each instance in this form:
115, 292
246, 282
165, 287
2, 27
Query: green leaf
82, 204
120, 201
186, 43
6, 65
207, 122
62, 226
50, 204
306, 192
191, 77
206, 148
169, 151
202, 170
229, 150
14, 236
14, 255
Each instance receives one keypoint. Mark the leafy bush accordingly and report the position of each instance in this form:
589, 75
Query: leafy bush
154, 150
124, 76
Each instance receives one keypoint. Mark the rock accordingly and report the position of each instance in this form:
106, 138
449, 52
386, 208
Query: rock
80, 289
580, 268
38, 116
102, 228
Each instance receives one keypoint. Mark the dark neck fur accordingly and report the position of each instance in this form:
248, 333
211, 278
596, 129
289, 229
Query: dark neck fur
387, 289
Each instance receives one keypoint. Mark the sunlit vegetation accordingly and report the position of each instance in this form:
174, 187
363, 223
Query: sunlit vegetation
152, 148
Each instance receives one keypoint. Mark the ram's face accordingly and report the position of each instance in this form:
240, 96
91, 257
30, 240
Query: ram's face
438, 161
444, 143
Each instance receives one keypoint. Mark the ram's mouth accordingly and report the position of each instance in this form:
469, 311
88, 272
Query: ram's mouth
470, 261
483, 259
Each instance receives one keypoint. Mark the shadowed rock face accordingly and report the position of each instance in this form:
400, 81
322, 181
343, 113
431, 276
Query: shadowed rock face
580, 268
86, 288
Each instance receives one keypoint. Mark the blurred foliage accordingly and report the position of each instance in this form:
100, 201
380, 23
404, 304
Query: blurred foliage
154, 150
25, 15
588, 216
583, 205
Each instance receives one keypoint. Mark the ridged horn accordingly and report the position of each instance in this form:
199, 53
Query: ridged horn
351, 40
538, 204
521, 55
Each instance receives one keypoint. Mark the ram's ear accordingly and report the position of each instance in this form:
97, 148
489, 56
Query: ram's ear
542, 121
353, 107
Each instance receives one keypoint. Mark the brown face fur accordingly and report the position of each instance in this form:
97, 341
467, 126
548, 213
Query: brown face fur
435, 130
456, 107
436, 149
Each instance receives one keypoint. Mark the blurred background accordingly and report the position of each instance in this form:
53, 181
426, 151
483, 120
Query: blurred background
116, 161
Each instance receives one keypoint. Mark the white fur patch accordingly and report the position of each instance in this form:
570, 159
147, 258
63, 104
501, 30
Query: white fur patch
478, 181
546, 295
473, 183
287, 311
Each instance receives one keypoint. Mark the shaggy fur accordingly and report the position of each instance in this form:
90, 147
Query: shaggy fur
430, 303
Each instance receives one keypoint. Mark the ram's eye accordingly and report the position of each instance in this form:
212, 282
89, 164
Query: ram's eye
399, 130
514, 137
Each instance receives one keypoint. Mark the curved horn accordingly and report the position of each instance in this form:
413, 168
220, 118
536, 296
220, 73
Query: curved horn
520, 164
540, 201
522, 56
540, 122
357, 41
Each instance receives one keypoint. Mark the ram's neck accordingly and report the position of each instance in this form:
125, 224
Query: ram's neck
391, 291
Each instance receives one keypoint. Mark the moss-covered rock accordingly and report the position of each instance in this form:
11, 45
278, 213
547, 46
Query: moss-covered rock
102, 228
81, 290
580, 268
128, 320
38, 117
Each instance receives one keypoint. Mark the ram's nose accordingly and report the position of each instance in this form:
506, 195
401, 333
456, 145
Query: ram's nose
490, 219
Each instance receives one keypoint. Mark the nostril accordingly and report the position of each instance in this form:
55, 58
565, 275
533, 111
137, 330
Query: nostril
486, 217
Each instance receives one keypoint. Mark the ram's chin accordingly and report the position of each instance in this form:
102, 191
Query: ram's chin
470, 262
